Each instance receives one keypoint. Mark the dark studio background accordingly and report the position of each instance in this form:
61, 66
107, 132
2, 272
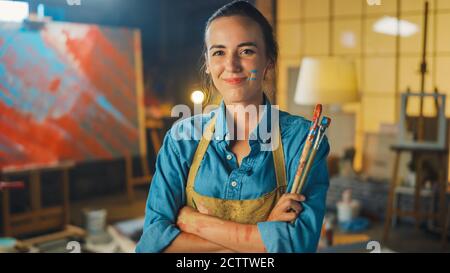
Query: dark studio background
172, 36
172, 41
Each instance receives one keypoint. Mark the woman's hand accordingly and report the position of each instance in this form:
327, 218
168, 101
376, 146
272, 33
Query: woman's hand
287, 208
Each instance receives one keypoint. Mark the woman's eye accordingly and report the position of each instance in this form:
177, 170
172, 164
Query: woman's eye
247, 52
218, 53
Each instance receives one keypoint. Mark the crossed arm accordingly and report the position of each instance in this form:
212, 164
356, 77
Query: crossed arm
201, 232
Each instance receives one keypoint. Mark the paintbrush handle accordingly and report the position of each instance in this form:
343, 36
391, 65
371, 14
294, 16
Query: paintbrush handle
315, 148
306, 172
305, 169
307, 147
301, 164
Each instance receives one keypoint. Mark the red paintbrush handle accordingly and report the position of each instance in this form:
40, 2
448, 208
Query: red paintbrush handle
307, 147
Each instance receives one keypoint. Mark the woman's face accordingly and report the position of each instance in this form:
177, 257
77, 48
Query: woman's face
236, 58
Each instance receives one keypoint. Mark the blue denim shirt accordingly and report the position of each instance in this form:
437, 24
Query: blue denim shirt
219, 168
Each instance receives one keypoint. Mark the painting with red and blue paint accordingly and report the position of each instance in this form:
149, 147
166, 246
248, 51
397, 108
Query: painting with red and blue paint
67, 92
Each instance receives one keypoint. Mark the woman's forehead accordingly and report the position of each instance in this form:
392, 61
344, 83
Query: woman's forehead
233, 30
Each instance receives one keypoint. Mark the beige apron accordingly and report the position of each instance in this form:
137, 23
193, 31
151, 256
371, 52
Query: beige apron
249, 211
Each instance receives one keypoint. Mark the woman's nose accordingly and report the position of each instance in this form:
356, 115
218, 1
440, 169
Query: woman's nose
233, 63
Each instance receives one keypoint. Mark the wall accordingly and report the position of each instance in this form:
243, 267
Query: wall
386, 65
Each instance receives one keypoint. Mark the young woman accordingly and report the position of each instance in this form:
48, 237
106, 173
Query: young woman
225, 193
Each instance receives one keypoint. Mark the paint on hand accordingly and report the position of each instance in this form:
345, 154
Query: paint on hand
202, 208
185, 220
248, 233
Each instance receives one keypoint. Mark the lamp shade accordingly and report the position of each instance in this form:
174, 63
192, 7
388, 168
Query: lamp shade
326, 80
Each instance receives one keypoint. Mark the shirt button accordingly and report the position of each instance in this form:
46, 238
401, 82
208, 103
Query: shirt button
234, 184
229, 157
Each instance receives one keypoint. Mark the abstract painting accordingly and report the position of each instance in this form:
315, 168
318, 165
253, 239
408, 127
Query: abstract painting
69, 92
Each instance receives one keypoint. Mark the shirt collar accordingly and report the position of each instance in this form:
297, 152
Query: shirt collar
261, 133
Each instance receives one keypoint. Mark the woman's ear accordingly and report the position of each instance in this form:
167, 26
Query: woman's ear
269, 67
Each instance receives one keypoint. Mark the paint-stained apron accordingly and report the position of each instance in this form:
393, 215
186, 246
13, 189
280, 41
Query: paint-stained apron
250, 211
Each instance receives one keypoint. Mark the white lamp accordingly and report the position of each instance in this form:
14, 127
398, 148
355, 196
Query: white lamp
332, 82
326, 80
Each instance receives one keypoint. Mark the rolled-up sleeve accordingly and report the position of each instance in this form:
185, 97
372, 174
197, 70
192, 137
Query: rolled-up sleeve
166, 197
304, 234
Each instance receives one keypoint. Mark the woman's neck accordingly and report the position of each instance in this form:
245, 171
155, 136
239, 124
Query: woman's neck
243, 117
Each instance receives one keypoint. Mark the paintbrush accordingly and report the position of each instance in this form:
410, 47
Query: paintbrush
307, 147
324, 124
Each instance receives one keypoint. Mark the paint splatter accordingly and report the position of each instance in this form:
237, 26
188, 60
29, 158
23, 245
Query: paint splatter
253, 75
248, 233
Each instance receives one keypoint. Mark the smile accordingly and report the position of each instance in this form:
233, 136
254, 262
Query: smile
235, 81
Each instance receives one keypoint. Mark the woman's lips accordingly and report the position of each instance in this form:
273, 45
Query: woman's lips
235, 81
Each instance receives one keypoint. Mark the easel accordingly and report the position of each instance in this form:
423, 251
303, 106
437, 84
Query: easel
419, 152
154, 126
38, 218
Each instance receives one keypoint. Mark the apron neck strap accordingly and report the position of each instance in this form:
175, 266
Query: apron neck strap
200, 152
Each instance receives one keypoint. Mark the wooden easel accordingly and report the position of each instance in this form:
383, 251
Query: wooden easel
419, 153
154, 126
38, 218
